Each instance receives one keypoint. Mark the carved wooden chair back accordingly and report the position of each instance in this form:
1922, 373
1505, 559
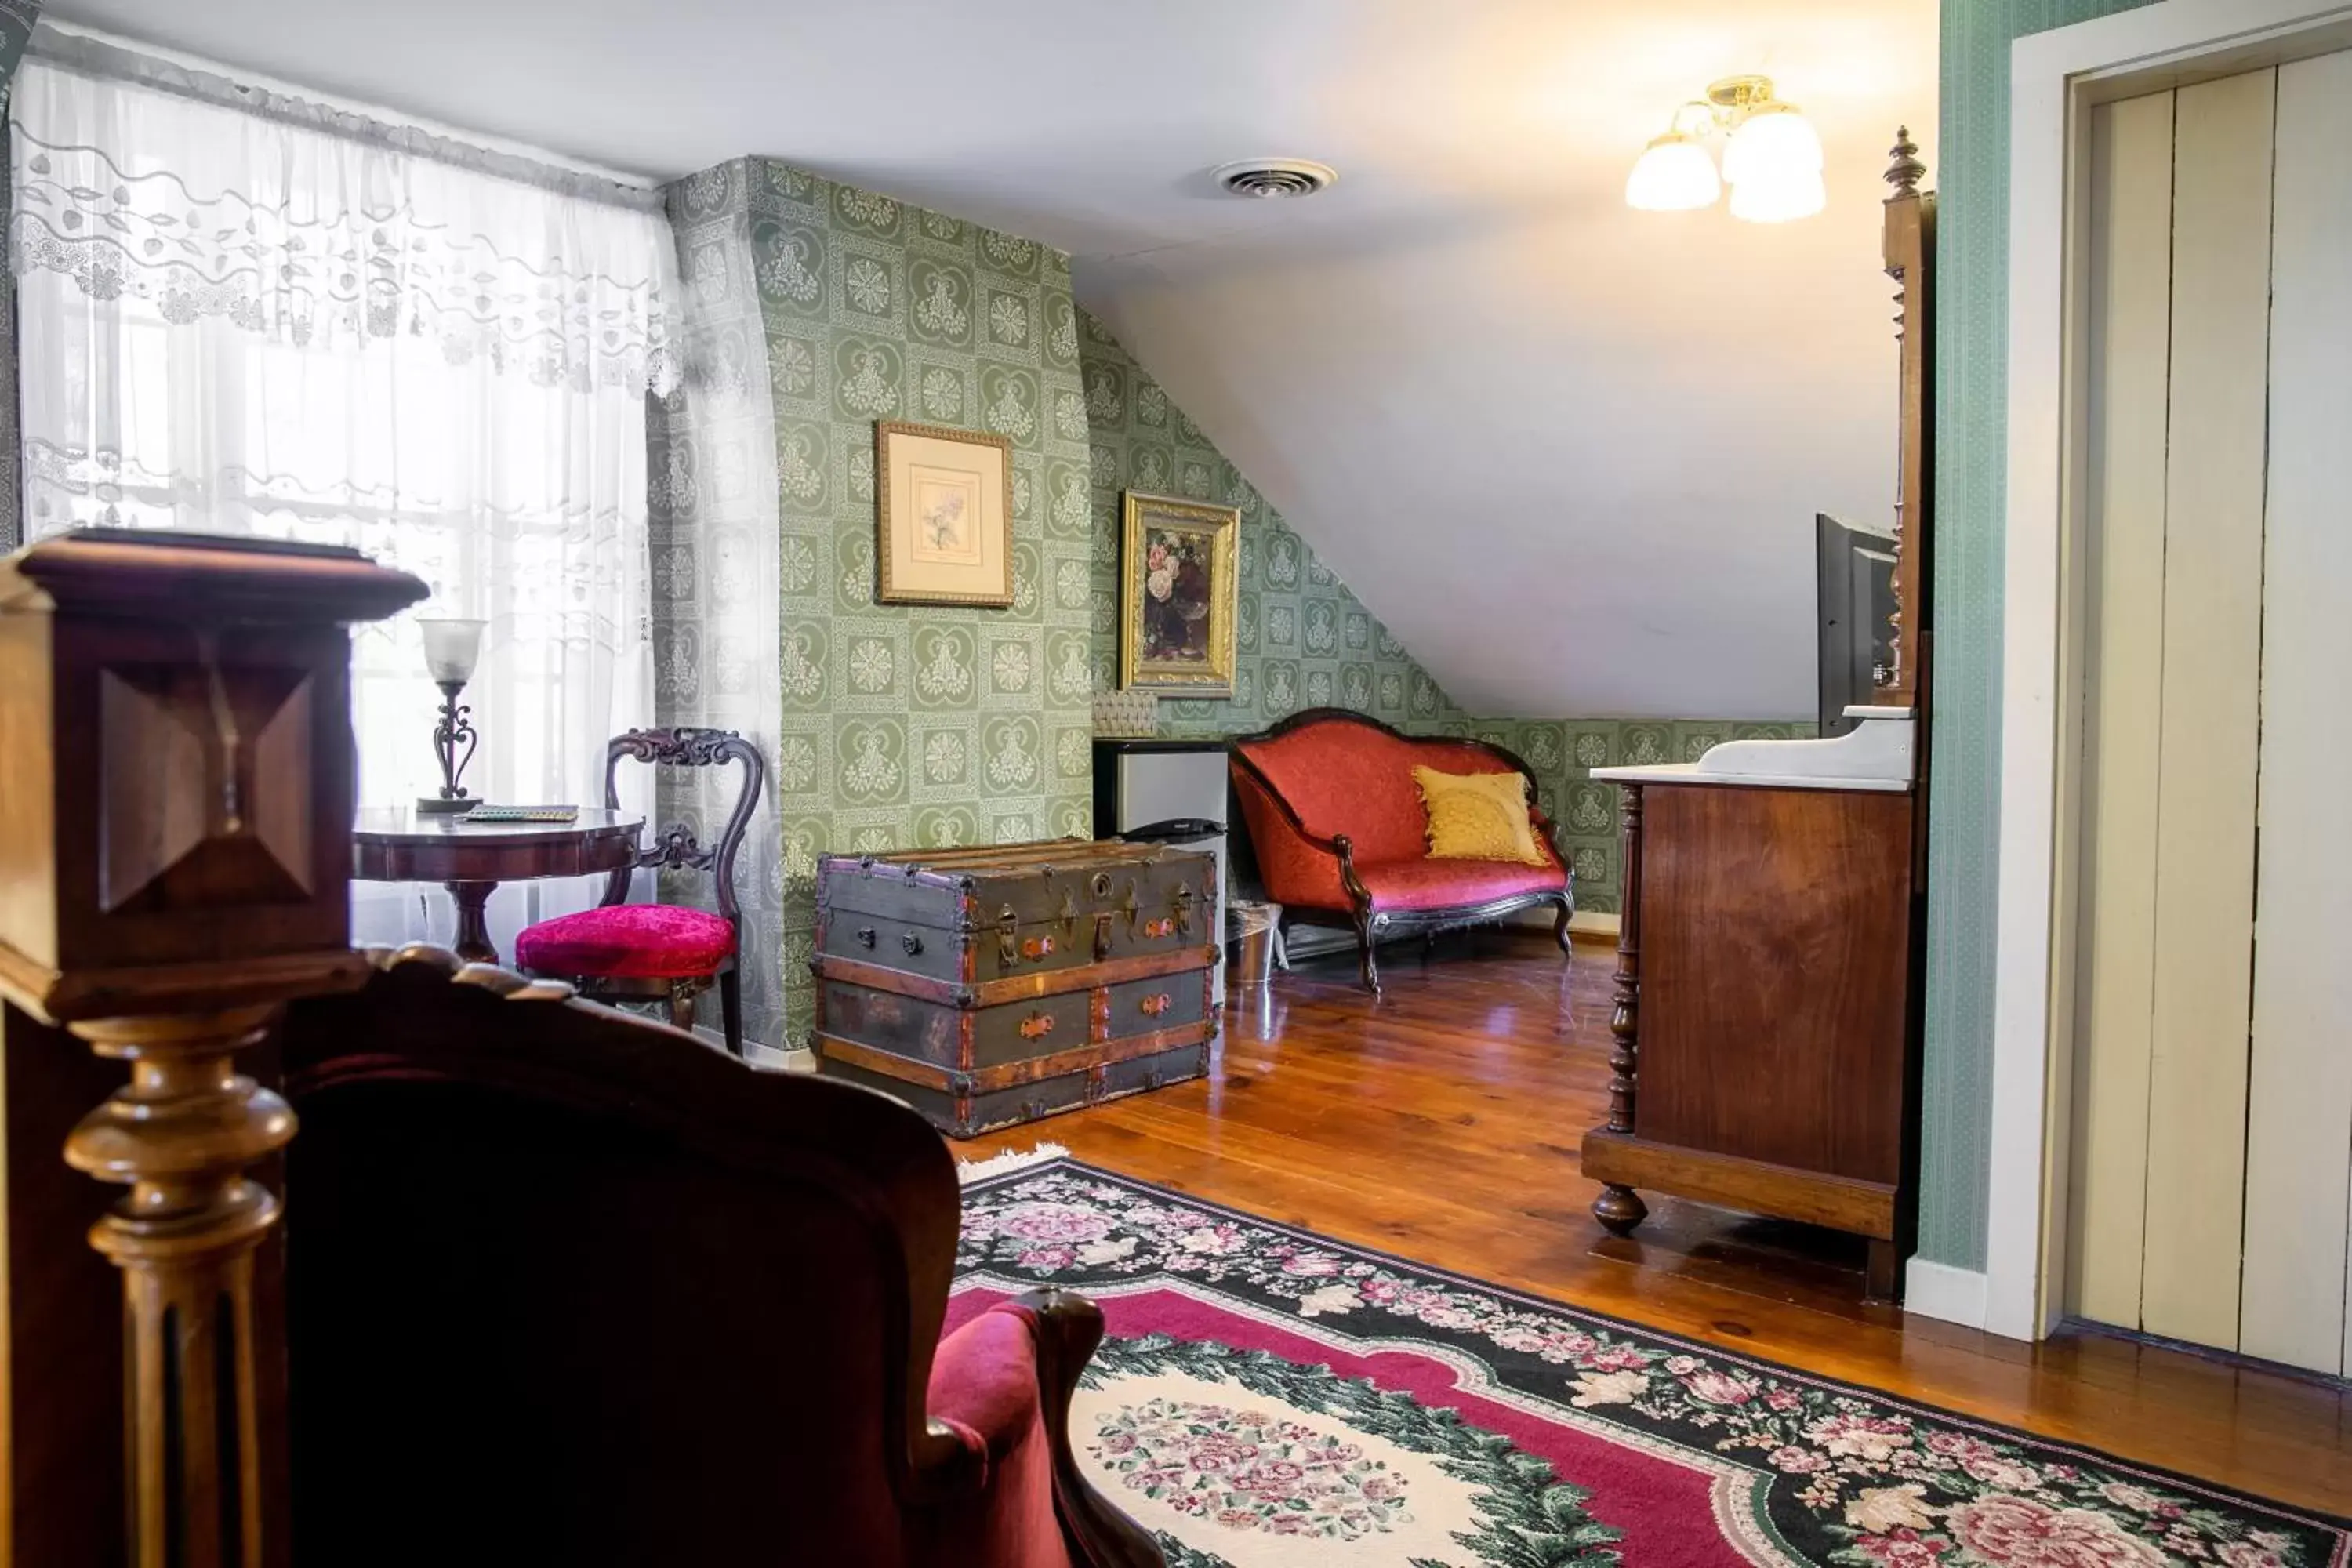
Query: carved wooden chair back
677, 845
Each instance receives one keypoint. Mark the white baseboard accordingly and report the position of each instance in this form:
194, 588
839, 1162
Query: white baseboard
758, 1054
1579, 925
1940, 1291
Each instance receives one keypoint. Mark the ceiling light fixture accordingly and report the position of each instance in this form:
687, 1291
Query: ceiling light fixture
1772, 162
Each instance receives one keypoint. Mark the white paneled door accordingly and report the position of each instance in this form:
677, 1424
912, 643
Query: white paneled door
2212, 1189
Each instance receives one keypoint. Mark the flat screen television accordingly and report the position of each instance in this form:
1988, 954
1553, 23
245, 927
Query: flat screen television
1854, 573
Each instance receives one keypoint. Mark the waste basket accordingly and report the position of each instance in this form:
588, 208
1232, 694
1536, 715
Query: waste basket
1254, 927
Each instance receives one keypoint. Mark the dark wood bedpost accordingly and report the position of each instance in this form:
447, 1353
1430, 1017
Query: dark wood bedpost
179, 776
1619, 1208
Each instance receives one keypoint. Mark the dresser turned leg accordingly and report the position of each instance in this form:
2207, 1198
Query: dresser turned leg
1881, 1272
1619, 1209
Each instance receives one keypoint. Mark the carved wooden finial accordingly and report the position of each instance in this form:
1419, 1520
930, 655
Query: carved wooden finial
1904, 173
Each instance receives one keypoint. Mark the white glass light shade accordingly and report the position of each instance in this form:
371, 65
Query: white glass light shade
1673, 175
1774, 142
451, 647
1777, 199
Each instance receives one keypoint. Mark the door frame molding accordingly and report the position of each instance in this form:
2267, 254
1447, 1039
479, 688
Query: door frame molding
2055, 79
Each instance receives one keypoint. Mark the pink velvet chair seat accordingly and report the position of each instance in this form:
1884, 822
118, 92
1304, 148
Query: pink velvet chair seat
1427, 884
654, 941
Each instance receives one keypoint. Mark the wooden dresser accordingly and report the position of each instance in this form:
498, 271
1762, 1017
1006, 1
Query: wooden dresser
1765, 1049
1771, 910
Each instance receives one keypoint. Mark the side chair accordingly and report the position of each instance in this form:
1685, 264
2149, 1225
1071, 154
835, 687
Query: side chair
621, 950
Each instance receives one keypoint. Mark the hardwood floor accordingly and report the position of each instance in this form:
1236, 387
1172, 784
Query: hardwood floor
1440, 1123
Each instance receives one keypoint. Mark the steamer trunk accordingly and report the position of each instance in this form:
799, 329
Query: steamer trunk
991, 986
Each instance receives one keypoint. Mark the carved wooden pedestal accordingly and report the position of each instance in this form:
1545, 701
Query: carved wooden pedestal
182, 1133
175, 859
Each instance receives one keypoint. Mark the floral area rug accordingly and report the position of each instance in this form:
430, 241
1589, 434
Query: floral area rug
1269, 1398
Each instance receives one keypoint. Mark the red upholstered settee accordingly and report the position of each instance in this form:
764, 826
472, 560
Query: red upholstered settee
1341, 836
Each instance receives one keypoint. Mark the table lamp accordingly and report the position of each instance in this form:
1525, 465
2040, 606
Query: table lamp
451, 647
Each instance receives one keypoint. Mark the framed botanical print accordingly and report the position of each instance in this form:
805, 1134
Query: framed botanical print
943, 516
1178, 592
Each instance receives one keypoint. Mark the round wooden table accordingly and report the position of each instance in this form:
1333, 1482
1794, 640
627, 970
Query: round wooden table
399, 844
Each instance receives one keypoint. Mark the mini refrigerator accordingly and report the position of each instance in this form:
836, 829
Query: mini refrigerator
1168, 792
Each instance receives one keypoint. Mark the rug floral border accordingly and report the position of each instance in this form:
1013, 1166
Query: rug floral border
1858, 1477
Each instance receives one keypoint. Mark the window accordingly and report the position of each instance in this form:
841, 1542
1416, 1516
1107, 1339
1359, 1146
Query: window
241, 314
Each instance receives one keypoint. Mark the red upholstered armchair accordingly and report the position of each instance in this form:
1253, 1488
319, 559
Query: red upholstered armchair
661, 951
563, 1286
1341, 836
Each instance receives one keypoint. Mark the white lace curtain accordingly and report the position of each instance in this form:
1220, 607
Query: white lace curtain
240, 314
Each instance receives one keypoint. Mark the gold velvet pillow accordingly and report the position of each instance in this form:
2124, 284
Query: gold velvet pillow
1478, 816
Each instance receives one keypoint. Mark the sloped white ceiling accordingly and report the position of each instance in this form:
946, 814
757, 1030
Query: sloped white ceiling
1569, 452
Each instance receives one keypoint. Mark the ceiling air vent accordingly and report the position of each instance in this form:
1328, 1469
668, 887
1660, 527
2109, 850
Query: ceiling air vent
1275, 178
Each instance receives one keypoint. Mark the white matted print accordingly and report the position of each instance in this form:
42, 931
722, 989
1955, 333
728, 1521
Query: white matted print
943, 520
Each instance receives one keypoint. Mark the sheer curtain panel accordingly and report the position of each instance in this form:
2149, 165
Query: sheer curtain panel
241, 313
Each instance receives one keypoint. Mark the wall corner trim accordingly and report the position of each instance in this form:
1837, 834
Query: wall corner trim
1932, 1290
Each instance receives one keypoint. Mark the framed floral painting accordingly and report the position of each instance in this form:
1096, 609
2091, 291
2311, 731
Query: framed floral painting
943, 516
1178, 593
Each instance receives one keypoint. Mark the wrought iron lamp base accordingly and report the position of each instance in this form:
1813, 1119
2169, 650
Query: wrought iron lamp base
454, 730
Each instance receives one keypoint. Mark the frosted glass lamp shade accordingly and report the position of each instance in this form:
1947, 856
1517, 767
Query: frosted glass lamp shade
1774, 142
451, 647
1673, 175
1778, 198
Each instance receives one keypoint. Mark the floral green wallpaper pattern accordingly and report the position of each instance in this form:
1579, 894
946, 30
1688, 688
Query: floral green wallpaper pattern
906, 726
1306, 641
711, 530
1971, 392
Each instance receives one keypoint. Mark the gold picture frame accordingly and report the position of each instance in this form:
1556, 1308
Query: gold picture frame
942, 516
1179, 592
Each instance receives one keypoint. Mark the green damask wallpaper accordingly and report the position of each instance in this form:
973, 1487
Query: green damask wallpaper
906, 726
711, 517
1971, 392
1306, 641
